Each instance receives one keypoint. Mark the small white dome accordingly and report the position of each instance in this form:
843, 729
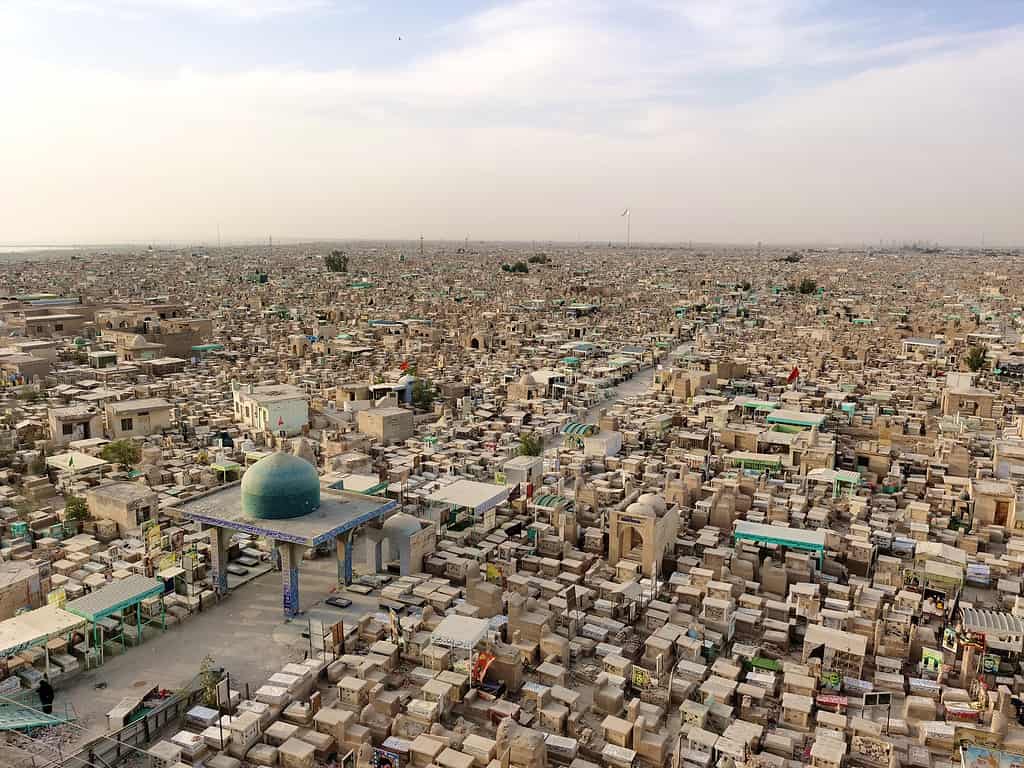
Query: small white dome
654, 501
401, 526
640, 510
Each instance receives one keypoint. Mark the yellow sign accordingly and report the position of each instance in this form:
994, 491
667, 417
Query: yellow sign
493, 574
167, 561
58, 598
153, 536
641, 677
499, 478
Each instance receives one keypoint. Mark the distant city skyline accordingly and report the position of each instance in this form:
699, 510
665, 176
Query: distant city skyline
716, 121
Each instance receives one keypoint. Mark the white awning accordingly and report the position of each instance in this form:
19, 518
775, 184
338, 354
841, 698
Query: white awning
459, 632
469, 494
35, 628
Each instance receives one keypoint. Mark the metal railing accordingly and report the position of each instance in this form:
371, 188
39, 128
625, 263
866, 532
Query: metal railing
123, 746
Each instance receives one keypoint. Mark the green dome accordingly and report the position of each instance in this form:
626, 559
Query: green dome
280, 486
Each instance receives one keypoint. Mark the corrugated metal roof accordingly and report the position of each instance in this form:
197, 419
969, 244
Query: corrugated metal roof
115, 596
991, 622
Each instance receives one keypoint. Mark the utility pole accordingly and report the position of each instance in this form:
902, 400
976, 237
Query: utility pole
421, 245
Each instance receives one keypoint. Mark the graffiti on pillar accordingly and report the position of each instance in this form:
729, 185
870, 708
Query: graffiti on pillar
348, 559
291, 592
219, 561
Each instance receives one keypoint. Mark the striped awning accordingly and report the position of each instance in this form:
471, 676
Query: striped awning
552, 500
991, 622
577, 429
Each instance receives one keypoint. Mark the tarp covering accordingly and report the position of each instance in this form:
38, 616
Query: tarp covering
35, 628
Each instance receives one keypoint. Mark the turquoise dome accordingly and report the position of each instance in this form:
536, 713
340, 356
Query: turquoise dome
280, 486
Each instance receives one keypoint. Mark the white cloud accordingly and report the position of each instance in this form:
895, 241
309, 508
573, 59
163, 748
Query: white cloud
241, 9
526, 125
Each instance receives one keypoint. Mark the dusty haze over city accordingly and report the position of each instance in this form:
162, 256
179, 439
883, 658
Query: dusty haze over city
712, 120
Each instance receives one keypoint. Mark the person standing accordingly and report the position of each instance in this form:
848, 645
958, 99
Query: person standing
46, 695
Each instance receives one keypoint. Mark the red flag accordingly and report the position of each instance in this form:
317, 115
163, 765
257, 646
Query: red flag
793, 375
404, 366
280, 421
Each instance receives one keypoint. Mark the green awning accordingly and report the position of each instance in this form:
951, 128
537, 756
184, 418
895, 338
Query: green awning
579, 430
115, 597
552, 500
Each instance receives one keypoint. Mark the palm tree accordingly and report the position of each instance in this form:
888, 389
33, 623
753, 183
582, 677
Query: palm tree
531, 444
976, 358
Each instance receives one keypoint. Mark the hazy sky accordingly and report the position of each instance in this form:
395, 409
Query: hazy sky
727, 120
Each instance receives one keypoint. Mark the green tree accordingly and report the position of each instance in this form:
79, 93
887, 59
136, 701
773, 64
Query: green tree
976, 358
124, 452
531, 444
337, 261
75, 509
209, 676
38, 465
518, 268
30, 395
423, 394
808, 286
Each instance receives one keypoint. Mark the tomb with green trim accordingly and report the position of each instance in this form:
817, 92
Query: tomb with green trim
788, 538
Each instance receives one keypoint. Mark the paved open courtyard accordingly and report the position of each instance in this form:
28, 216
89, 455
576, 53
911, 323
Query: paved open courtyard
245, 634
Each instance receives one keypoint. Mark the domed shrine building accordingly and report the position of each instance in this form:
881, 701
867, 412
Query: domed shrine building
280, 497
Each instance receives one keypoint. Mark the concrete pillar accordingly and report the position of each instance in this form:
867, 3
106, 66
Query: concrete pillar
377, 552
374, 539
291, 556
219, 539
344, 548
